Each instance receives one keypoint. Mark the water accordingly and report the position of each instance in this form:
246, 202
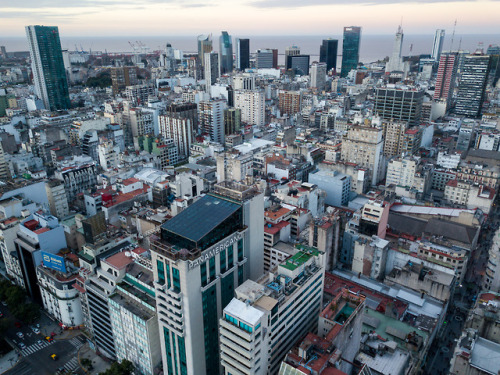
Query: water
373, 47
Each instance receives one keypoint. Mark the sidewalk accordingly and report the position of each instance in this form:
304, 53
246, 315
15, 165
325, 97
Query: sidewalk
8, 361
99, 365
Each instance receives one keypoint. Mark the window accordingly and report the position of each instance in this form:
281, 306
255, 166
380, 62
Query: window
161, 272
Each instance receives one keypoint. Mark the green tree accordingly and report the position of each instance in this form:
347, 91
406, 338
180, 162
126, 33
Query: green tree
123, 368
15, 296
87, 363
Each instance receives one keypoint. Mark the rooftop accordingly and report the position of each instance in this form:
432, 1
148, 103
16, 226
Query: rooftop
303, 255
485, 356
244, 312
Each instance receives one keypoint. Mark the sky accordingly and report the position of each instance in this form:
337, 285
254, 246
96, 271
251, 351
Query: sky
251, 17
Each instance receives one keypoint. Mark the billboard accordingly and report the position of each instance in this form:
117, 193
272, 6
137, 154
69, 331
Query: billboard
53, 261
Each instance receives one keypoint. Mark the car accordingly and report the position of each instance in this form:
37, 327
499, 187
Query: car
22, 345
20, 335
53, 356
39, 342
35, 330
49, 339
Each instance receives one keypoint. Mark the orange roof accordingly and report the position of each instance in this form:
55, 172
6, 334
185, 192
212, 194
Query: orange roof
42, 230
130, 181
273, 229
276, 214
119, 260
123, 197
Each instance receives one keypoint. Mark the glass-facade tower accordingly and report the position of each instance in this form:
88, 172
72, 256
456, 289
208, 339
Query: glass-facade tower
350, 49
49, 75
226, 53
328, 53
242, 54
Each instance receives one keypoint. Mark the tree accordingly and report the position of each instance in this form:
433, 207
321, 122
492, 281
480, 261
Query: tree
123, 368
15, 296
87, 363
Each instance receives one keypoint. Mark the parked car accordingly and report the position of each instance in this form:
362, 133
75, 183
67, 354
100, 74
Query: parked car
22, 345
35, 330
20, 335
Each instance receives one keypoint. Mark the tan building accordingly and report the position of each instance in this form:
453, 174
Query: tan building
290, 102
393, 137
58, 201
363, 146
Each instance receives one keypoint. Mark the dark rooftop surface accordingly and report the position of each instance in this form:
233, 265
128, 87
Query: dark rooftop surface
201, 217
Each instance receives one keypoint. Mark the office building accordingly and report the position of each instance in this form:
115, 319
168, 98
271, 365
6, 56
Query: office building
437, 45
403, 104
472, 86
350, 49
211, 119
299, 64
211, 69
363, 146
318, 75
204, 46
266, 318
395, 63
47, 65
266, 59
132, 311
252, 106
242, 54
204, 253
446, 76
225, 53
328, 53
243, 82
291, 51
38, 234
184, 110
232, 121
180, 130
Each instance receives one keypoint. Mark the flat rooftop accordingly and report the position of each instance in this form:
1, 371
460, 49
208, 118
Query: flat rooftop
201, 217
303, 255
485, 356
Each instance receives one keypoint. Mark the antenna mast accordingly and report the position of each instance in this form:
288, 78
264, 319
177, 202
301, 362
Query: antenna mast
453, 35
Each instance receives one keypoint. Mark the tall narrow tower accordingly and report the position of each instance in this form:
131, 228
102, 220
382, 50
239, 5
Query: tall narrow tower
395, 61
437, 46
226, 53
47, 63
242, 54
350, 49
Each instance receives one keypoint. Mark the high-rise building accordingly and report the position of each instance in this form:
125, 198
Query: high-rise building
291, 51
211, 119
266, 58
472, 86
318, 75
204, 253
252, 105
204, 46
403, 104
393, 137
289, 102
226, 53
350, 49
49, 75
232, 121
211, 69
242, 54
437, 45
299, 64
123, 77
445, 80
328, 53
253, 337
395, 62
363, 146
180, 130
184, 110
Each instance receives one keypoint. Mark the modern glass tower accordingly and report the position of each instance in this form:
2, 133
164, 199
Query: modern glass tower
242, 54
350, 49
437, 46
328, 53
49, 75
226, 53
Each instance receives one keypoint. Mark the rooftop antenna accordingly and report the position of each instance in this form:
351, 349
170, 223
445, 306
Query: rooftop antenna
453, 36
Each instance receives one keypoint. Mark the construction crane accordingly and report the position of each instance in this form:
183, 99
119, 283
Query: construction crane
134, 47
142, 46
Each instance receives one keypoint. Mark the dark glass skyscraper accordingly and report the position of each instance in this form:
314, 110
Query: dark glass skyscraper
328, 53
350, 49
49, 75
242, 54
226, 53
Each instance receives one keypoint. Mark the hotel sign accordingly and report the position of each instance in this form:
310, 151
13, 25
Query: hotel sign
216, 249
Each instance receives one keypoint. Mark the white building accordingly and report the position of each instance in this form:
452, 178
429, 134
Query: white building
252, 105
58, 201
448, 161
395, 62
318, 75
336, 185
266, 318
180, 130
108, 155
244, 81
492, 277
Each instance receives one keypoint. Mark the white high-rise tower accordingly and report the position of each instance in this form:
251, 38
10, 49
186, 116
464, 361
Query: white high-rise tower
395, 61
437, 46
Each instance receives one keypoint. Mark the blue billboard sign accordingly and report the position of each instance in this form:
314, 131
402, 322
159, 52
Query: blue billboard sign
53, 261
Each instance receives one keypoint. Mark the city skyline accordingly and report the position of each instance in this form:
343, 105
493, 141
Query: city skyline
152, 17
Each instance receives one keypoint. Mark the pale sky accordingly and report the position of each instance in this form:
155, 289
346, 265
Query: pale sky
251, 17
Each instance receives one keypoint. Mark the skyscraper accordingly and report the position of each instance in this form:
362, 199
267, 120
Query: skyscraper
395, 61
404, 104
226, 53
204, 46
201, 256
318, 75
242, 54
328, 53
299, 64
47, 63
266, 58
445, 80
350, 49
472, 85
437, 46
211, 69
291, 51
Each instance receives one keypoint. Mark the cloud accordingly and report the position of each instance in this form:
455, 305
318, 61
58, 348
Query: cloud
308, 3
